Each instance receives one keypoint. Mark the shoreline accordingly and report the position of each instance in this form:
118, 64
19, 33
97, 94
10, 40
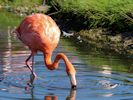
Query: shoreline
99, 37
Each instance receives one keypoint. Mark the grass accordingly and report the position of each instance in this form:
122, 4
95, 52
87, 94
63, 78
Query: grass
24, 7
21, 2
112, 20
100, 13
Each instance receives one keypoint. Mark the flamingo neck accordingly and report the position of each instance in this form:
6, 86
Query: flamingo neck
54, 65
69, 67
48, 62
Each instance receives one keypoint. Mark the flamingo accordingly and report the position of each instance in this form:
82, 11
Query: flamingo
40, 33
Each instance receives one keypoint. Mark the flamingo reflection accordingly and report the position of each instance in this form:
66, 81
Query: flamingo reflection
48, 97
71, 96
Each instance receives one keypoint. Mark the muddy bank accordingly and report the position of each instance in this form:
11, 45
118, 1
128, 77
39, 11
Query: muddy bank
101, 38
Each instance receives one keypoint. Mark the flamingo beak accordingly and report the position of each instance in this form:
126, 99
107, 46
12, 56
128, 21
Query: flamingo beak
73, 80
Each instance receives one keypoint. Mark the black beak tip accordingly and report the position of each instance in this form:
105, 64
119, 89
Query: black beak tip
74, 87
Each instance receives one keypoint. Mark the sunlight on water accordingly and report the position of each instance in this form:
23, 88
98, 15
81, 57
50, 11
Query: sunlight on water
99, 76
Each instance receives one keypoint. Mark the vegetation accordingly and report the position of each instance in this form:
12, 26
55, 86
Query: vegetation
10, 21
21, 2
106, 24
114, 14
24, 7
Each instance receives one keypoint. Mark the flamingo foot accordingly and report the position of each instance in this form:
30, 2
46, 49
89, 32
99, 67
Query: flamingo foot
32, 78
29, 86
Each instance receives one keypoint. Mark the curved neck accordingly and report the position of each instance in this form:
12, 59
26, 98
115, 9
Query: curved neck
54, 65
69, 67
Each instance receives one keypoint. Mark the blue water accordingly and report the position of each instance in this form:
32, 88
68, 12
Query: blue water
99, 76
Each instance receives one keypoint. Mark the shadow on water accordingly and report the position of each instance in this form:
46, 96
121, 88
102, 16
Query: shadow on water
100, 76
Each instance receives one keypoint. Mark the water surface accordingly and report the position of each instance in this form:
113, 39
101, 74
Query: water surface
100, 75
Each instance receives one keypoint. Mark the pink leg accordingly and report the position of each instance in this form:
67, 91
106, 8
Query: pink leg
33, 75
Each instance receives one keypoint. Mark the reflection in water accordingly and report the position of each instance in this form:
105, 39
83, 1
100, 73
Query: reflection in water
5, 55
51, 98
97, 58
71, 96
10, 59
106, 70
100, 76
8, 54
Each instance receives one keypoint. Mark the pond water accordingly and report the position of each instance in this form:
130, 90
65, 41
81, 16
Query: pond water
100, 75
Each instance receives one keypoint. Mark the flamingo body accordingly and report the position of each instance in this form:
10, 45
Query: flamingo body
40, 33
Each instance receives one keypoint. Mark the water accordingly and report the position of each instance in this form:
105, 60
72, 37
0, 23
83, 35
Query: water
100, 76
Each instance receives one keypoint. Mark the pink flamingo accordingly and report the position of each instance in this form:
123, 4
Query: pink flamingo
40, 33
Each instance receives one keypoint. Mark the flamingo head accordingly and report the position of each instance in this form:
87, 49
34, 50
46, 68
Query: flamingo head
73, 81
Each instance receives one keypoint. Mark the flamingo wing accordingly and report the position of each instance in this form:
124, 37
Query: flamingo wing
39, 32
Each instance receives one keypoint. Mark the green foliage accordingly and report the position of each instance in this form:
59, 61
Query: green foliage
100, 13
21, 2
8, 19
24, 7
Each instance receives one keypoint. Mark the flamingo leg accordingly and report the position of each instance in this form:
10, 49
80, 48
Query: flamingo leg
33, 75
26, 62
